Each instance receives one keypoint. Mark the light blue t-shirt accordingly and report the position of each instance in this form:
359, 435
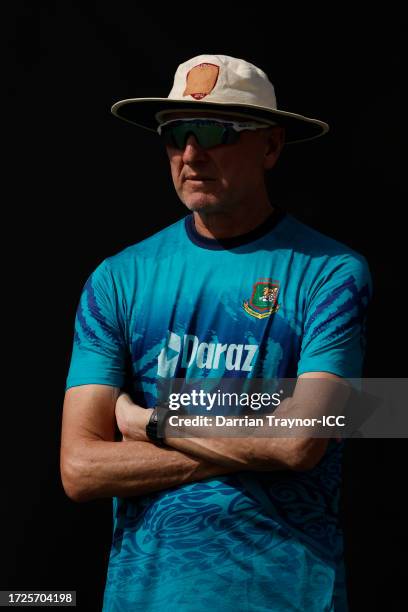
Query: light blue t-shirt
277, 302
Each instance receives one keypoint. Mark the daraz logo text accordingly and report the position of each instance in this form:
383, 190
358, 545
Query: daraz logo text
208, 355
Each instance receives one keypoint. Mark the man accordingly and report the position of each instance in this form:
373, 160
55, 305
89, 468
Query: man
227, 523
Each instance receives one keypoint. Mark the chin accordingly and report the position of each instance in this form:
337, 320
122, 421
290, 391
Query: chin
208, 208
203, 203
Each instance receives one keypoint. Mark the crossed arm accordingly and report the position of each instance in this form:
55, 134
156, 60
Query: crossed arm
94, 465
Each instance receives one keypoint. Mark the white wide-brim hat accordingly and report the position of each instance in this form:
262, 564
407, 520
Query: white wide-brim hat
219, 83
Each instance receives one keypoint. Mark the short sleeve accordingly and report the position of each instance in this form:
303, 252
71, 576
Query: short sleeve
99, 349
334, 332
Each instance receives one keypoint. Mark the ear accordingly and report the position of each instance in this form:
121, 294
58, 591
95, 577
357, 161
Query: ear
274, 145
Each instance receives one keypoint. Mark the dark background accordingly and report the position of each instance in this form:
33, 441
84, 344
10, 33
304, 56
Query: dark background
82, 185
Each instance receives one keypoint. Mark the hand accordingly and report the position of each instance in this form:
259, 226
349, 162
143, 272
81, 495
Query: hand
131, 418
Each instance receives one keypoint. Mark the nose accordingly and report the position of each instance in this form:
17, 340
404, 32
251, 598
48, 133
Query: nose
192, 150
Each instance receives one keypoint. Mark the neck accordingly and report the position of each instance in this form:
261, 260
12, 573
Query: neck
235, 222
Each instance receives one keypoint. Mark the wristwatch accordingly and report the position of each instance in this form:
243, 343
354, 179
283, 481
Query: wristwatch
155, 426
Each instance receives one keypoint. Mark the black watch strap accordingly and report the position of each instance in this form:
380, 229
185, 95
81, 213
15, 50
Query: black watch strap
155, 426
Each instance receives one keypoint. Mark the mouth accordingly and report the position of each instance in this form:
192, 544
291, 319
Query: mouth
198, 179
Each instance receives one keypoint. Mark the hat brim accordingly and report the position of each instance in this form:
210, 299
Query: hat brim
143, 113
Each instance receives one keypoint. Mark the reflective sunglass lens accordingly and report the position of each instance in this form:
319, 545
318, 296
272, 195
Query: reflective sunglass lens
207, 135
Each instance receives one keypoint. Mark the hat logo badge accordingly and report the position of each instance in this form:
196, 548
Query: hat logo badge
201, 80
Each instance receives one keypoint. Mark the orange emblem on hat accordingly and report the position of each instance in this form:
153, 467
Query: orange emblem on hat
201, 80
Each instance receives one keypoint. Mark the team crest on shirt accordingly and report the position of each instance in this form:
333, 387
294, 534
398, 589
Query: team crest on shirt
263, 301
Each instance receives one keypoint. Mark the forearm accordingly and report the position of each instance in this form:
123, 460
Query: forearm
255, 452
262, 450
249, 453
97, 469
313, 397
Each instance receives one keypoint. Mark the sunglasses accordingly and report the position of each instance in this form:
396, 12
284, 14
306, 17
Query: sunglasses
208, 132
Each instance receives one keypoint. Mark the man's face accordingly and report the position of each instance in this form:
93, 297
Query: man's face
222, 177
